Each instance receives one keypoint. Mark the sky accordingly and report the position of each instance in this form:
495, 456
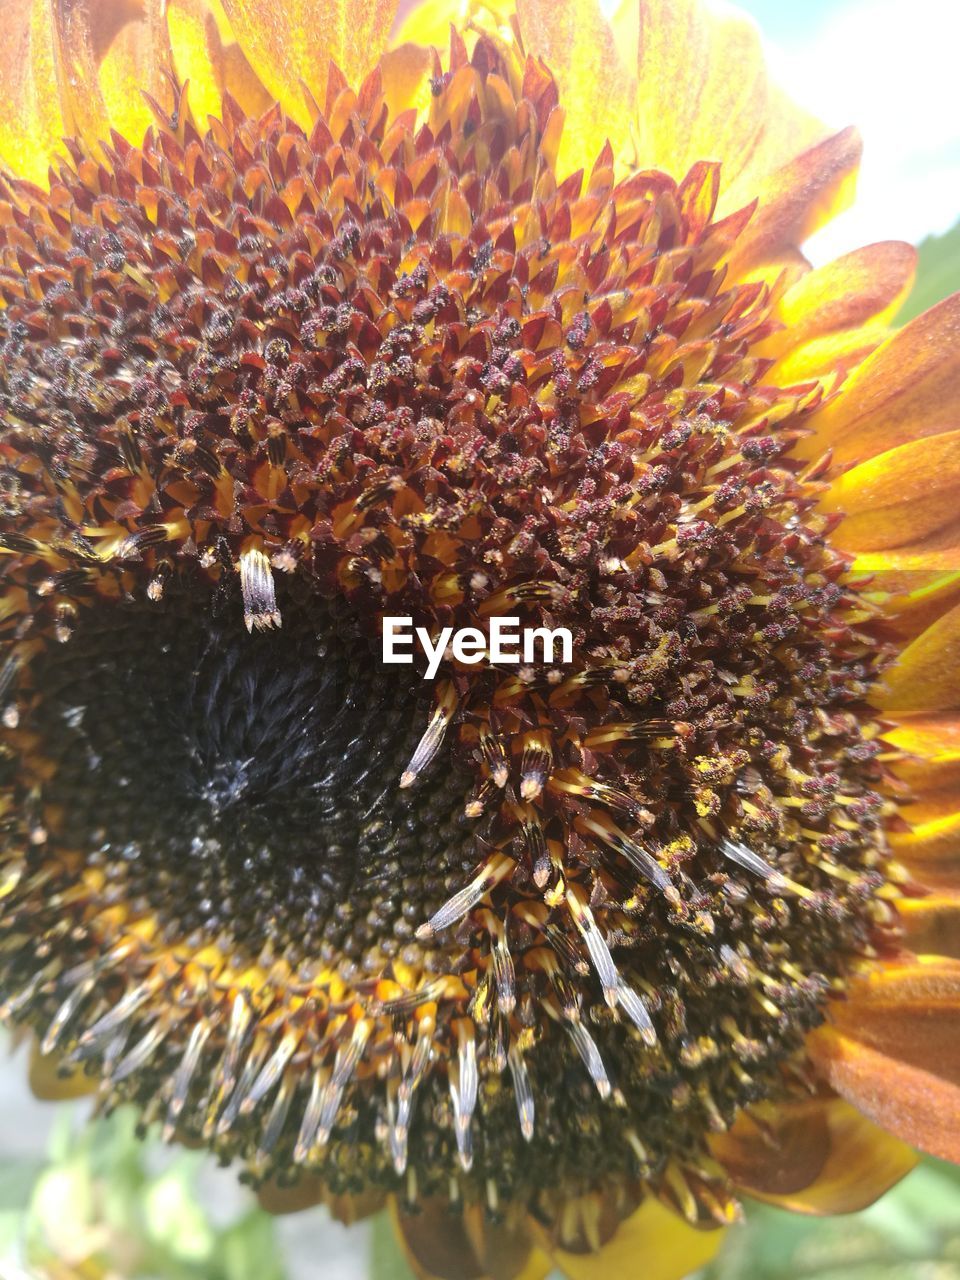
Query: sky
891, 68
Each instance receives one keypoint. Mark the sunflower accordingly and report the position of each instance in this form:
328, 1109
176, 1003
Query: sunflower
314, 316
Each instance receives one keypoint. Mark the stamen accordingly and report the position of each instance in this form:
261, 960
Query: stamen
587, 1048
311, 1117
464, 1082
493, 753
142, 1051
251, 1069
537, 851
637, 856
241, 1017
638, 1013
504, 974
523, 1090
746, 858
184, 1073
603, 961
124, 1009
432, 740
419, 1063
276, 1121
259, 593
66, 1011
534, 769
272, 1071
455, 908
346, 1062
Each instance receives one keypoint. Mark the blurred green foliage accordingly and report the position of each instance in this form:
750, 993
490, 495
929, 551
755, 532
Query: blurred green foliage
912, 1233
102, 1207
938, 273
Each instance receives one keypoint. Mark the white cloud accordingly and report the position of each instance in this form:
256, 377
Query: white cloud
890, 67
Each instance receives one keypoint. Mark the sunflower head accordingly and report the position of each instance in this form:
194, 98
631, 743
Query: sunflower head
366, 343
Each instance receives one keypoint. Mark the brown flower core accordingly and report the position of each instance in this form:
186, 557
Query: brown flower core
303, 383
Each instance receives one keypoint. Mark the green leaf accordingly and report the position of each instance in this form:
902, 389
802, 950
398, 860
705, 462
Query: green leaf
938, 273
911, 1232
386, 1257
248, 1250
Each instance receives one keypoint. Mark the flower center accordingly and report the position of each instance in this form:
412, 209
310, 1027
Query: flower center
241, 784
556, 925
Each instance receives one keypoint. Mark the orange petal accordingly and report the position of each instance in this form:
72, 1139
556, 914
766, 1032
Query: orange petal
899, 497
111, 54
798, 198
32, 122
444, 1245
868, 283
407, 72
936, 553
924, 679
291, 45
932, 925
817, 1156
310, 1190
892, 1048
597, 91
912, 599
668, 1246
208, 59
906, 390
934, 787
934, 738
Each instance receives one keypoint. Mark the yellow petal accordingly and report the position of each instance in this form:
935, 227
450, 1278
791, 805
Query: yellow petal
51, 1081
924, 679
111, 55
310, 1190
817, 1156
290, 45
428, 23
597, 91
32, 122
870, 282
788, 130
934, 787
892, 1048
931, 851
900, 497
934, 554
689, 105
668, 1246
835, 316
208, 59
830, 357
908, 389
